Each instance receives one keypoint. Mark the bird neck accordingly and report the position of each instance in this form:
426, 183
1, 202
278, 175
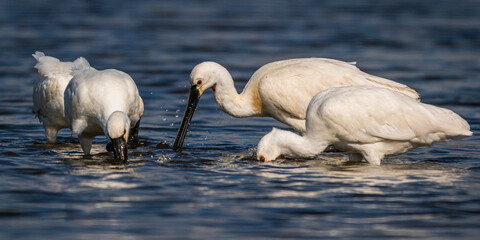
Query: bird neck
228, 99
300, 146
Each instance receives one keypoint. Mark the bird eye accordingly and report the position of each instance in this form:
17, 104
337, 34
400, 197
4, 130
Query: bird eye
199, 82
261, 158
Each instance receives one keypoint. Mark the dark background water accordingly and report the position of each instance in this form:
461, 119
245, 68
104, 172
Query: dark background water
215, 188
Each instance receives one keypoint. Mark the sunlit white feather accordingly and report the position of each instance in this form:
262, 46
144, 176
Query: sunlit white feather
101, 102
48, 89
370, 121
283, 89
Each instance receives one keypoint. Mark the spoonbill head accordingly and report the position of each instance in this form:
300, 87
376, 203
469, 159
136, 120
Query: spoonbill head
104, 102
278, 143
281, 90
204, 76
118, 125
368, 122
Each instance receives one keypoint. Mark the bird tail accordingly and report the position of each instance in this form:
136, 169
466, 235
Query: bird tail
447, 125
455, 125
459, 127
50, 67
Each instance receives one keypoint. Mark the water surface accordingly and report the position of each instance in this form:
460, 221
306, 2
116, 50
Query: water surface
215, 188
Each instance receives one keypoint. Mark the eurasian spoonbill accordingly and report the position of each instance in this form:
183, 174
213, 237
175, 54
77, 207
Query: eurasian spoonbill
281, 90
48, 93
369, 122
103, 102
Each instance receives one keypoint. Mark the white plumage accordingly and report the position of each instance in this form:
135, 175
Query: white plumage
102, 102
48, 93
369, 122
281, 90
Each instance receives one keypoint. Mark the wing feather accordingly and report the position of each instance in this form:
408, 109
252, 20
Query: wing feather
377, 115
288, 86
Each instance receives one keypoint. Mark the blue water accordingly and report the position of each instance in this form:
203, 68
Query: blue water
215, 189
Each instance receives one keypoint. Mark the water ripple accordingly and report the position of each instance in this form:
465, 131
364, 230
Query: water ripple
215, 187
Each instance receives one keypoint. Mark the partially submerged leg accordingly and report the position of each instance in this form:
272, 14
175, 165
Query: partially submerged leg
133, 135
51, 134
86, 144
355, 157
373, 157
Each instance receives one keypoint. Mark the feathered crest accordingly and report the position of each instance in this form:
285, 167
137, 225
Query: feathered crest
38, 55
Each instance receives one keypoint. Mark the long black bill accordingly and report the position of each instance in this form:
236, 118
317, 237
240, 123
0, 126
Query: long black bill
193, 98
119, 146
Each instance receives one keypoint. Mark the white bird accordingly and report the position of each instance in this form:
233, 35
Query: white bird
103, 102
48, 93
369, 122
281, 90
